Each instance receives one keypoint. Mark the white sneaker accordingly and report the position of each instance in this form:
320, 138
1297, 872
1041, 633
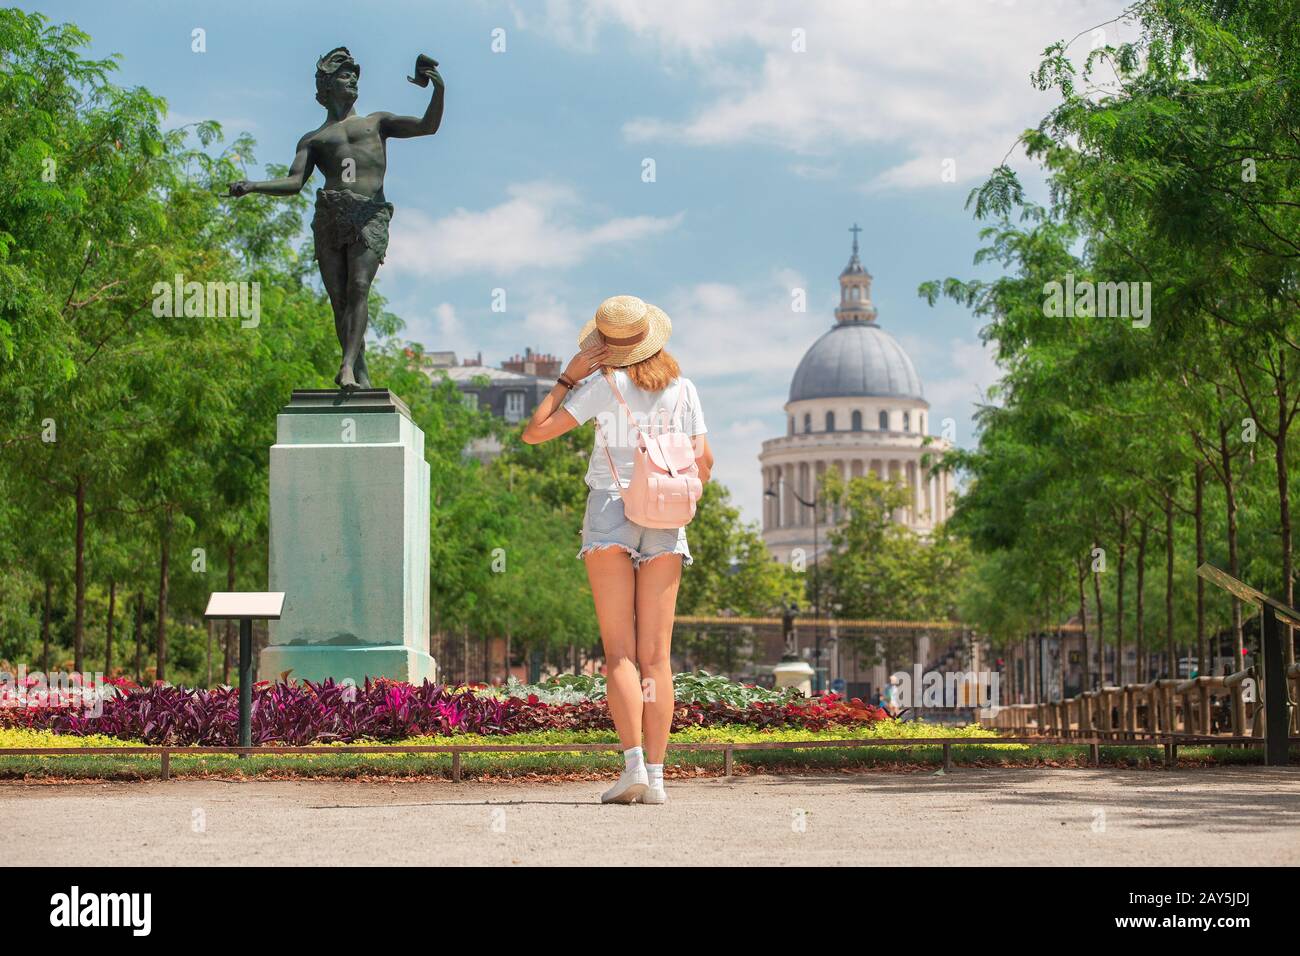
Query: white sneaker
655, 795
631, 785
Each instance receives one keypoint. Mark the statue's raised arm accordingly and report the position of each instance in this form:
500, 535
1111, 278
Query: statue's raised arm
404, 127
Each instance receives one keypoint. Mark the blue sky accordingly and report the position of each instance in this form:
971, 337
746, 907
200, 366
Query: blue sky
764, 156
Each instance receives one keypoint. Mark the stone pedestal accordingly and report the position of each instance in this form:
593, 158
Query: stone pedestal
349, 530
796, 674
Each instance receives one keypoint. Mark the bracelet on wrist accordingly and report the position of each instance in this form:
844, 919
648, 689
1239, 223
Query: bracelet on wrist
568, 383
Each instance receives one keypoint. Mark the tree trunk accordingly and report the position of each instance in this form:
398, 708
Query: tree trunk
1199, 511
1014, 689
164, 570
1101, 628
1039, 696
45, 626
139, 637
1119, 601
1018, 688
1028, 674
108, 628
1284, 494
1230, 497
1060, 658
1172, 666
1139, 628
228, 640
79, 579
225, 653
1083, 624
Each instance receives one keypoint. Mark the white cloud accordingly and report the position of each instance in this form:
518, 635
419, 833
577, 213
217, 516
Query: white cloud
448, 324
549, 319
815, 170
936, 78
740, 346
535, 228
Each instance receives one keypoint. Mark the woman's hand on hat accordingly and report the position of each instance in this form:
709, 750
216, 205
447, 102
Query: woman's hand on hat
586, 362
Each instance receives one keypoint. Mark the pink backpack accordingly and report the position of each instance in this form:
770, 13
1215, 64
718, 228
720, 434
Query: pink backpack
665, 481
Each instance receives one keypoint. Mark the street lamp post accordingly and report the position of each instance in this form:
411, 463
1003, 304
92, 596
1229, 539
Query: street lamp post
817, 591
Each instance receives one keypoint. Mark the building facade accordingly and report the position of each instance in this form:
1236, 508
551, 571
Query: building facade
855, 404
511, 392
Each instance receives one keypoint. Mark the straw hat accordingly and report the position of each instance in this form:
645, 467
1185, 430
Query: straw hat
632, 330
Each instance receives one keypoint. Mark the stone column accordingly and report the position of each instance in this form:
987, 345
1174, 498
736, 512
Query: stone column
917, 509
768, 511
788, 512
805, 481
818, 471
905, 511
775, 485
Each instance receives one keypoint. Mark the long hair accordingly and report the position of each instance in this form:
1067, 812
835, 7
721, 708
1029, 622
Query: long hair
655, 373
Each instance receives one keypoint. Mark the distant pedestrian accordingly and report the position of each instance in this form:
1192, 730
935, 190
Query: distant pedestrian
893, 693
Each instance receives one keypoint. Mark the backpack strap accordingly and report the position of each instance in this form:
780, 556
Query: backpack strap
619, 397
613, 469
658, 416
677, 406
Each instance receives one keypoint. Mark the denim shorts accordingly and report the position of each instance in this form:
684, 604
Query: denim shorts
605, 526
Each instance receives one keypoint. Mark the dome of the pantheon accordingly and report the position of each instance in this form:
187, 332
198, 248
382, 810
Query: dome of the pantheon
855, 358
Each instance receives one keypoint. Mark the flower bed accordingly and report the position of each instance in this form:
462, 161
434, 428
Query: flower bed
305, 713
344, 762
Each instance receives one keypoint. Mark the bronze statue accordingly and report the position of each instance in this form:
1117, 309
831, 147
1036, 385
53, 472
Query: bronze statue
351, 222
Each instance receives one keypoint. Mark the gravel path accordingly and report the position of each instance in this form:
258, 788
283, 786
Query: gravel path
971, 816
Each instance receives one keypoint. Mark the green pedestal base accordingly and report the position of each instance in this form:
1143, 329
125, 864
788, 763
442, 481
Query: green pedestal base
349, 540
317, 662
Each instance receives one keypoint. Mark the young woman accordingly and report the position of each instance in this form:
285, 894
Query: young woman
634, 571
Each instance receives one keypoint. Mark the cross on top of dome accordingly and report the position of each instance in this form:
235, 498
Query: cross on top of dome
855, 265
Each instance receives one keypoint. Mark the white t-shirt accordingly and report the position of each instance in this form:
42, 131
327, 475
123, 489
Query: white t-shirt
594, 399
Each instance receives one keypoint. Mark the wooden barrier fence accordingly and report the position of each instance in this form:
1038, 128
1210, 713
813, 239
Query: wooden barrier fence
1163, 707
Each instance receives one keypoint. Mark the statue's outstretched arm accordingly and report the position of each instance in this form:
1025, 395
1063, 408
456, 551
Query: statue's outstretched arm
404, 127
299, 172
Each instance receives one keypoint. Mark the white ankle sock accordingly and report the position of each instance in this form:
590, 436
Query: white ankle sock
655, 771
633, 758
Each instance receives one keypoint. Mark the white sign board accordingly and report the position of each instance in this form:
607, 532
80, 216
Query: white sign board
262, 605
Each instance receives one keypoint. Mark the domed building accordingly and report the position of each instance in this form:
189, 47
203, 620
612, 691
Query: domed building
855, 404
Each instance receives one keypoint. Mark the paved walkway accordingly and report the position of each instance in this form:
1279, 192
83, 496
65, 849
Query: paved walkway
980, 817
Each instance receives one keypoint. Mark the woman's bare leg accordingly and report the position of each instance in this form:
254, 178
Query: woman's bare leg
656, 605
613, 587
